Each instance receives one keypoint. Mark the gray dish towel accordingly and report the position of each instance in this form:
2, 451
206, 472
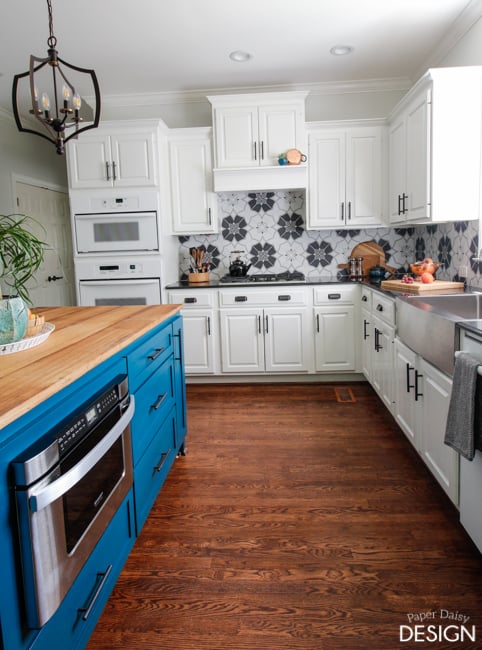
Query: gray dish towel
459, 433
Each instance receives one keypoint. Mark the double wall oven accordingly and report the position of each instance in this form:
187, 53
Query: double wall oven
117, 249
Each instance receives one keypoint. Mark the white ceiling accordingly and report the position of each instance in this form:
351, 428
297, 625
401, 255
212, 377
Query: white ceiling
157, 46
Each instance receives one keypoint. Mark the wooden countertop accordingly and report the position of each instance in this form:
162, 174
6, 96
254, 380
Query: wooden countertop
82, 339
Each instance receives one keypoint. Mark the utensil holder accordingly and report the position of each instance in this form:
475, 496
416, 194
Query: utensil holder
198, 277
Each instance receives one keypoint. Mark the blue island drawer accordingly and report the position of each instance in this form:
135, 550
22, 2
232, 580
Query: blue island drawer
151, 471
74, 621
154, 400
149, 356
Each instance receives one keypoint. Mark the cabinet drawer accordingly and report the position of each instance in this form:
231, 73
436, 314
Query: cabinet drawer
384, 308
245, 296
150, 473
366, 298
149, 356
153, 402
195, 298
74, 621
334, 294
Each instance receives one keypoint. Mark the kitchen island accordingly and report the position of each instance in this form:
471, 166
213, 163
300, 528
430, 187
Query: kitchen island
43, 388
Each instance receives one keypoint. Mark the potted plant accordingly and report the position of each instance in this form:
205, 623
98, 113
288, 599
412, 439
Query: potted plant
21, 254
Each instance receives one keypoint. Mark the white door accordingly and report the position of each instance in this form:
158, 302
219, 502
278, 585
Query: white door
418, 159
335, 338
363, 177
407, 408
237, 137
278, 131
54, 282
192, 200
242, 340
198, 341
89, 162
327, 180
133, 159
442, 460
396, 170
287, 340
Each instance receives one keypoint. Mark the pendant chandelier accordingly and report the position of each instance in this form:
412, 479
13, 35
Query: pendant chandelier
45, 93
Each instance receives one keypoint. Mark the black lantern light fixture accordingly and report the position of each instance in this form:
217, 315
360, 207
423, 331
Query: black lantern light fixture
57, 106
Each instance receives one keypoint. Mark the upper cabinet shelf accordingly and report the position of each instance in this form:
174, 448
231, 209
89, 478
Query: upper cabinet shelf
250, 133
435, 148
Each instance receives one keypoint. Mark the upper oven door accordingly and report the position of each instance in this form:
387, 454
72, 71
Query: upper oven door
116, 232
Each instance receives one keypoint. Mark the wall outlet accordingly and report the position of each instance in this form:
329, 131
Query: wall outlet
462, 271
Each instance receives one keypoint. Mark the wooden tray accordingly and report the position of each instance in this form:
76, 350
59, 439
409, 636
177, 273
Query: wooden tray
437, 286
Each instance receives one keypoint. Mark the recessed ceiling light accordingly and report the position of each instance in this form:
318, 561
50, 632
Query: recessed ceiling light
341, 50
240, 56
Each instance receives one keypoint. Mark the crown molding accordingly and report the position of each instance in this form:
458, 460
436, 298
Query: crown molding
200, 96
464, 22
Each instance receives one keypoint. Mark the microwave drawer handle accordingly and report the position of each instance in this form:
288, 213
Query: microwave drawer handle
86, 611
50, 493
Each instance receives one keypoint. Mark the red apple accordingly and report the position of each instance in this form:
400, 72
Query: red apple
427, 278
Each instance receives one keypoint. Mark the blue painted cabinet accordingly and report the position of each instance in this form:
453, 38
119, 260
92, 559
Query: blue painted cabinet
154, 365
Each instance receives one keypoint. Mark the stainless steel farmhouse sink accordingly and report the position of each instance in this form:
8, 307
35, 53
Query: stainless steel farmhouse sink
427, 324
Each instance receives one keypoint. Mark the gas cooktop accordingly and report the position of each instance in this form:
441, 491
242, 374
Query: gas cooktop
286, 276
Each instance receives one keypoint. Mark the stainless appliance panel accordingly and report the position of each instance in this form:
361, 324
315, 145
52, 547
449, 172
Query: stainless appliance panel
63, 513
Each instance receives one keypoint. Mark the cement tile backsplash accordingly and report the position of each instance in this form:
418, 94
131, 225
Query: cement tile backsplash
269, 227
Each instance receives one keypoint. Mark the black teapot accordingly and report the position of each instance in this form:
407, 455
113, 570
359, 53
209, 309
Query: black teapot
237, 267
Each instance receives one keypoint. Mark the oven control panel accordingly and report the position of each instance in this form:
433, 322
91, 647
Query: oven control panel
78, 427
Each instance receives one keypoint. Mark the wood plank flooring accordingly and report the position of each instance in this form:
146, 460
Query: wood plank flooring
294, 522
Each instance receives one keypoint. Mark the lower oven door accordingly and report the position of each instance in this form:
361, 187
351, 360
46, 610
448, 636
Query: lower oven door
95, 293
62, 516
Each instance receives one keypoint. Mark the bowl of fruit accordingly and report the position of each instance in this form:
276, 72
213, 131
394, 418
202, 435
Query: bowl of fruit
425, 270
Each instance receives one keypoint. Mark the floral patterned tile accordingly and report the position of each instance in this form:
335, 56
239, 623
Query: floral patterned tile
269, 230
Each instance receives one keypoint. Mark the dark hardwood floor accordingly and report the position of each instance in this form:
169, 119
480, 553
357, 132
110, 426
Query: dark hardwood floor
294, 522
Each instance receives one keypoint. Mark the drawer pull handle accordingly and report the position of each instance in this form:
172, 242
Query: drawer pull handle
379, 307
284, 297
240, 298
364, 299
334, 296
190, 301
85, 611
365, 333
160, 399
162, 460
155, 354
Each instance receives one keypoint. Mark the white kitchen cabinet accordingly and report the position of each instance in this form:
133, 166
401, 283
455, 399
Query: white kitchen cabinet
442, 460
335, 328
193, 201
345, 177
434, 148
257, 338
377, 337
253, 130
200, 321
422, 402
407, 392
124, 157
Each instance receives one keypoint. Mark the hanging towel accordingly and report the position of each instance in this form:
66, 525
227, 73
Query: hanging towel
459, 433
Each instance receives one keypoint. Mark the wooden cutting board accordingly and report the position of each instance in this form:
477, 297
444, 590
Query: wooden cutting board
437, 286
373, 255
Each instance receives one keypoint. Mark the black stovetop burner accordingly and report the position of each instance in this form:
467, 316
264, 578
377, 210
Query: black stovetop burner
286, 276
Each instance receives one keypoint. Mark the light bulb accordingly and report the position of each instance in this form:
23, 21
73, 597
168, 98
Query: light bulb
45, 102
77, 102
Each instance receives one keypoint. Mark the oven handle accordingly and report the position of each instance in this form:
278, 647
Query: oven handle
47, 495
110, 283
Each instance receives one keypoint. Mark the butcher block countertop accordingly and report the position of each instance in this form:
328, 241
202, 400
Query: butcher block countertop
83, 338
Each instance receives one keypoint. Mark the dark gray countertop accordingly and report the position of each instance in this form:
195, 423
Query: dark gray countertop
217, 284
